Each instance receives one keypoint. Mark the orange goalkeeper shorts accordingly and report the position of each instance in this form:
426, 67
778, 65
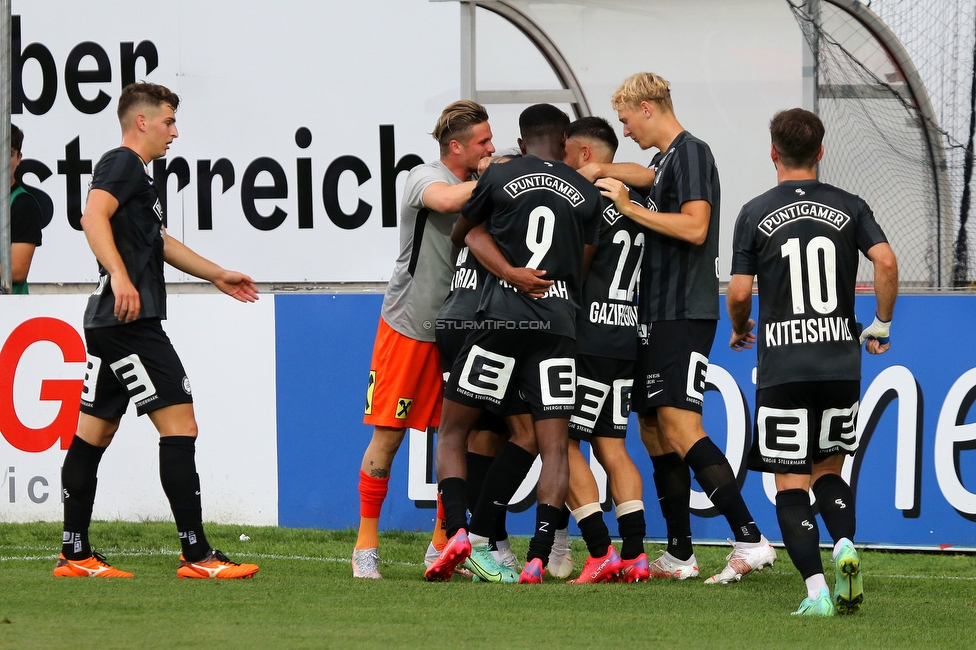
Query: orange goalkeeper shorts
406, 385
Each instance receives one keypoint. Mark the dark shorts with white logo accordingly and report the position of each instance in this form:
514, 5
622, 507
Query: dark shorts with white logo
496, 365
134, 361
672, 360
801, 423
603, 387
450, 336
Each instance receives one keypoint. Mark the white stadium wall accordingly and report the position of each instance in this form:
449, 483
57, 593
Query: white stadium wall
227, 350
366, 81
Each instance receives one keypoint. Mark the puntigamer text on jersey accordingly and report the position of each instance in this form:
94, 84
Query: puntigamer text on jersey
803, 210
541, 181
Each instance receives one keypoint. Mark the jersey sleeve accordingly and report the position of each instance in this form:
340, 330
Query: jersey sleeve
744, 254
479, 207
869, 232
25, 221
120, 173
418, 180
693, 173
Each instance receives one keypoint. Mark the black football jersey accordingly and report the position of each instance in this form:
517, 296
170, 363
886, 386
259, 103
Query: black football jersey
25, 217
540, 213
466, 287
801, 239
137, 228
607, 322
679, 280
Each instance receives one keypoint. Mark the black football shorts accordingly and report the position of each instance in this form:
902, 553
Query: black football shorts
672, 361
132, 361
497, 363
801, 423
603, 388
450, 337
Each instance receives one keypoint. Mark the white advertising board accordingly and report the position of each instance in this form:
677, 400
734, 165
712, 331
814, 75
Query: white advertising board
295, 116
227, 349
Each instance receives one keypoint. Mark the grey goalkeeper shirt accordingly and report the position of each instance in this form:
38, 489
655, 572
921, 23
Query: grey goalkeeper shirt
422, 275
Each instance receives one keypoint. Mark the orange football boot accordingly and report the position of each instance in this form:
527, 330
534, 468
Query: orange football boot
91, 567
215, 565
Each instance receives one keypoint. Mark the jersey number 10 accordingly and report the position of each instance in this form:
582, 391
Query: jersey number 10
821, 272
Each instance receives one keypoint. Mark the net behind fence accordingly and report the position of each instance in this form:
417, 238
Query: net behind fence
897, 135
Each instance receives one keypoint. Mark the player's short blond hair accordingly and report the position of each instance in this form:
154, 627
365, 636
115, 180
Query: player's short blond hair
456, 121
643, 87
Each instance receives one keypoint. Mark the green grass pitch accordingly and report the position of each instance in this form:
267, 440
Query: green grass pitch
304, 597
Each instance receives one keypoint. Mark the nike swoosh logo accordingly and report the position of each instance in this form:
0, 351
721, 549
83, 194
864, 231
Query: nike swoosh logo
500, 505
655, 393
487, 576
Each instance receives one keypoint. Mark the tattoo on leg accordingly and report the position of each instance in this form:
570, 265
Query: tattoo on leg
379, 473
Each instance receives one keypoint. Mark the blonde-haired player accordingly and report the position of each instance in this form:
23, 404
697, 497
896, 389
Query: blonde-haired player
405, 379
678, 313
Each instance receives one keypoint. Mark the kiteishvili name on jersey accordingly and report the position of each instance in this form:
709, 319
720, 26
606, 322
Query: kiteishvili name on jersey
808, 330
802, 210
557, 290
542, 181
608, 313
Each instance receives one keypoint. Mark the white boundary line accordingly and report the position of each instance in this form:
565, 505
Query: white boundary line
141, 552
148, 552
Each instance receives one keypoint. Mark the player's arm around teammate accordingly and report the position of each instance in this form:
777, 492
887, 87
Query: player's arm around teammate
531, 282
571, 219
465, 233
605, 354
689, 225
678, 313
405, 385
636, 176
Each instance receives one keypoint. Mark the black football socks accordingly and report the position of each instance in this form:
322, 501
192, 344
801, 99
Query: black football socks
595, 534
78, 481
673, 482
801, 535
478, 466
632, 529
501, 482
181, 483
836, 502
714, 475
540, 546
452, 491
